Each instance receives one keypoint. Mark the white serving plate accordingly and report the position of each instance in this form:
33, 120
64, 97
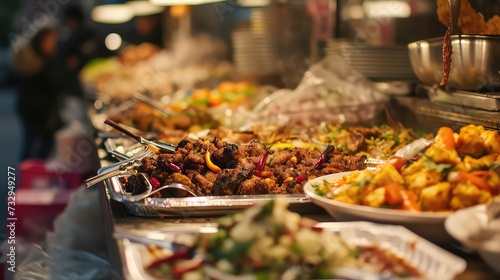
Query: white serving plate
433, 261
429, 225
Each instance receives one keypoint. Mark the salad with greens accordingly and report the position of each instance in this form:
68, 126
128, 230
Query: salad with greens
268, 241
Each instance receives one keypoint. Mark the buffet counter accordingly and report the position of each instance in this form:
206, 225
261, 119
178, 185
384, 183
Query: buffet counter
116, 218
118, 223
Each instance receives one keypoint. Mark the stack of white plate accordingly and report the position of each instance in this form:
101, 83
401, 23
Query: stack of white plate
374, 62
254, 47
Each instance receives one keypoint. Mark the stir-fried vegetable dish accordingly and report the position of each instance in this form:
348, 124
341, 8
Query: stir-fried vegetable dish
454, 172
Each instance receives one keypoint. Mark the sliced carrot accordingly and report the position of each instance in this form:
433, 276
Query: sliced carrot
393, 193
446, 135
481, 173
475, 179
398, 162
409, 201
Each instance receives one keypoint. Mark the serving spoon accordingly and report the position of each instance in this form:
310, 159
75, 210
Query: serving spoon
150, 191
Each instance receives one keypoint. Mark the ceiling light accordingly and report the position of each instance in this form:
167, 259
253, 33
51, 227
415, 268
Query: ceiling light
144, 8
182, 2
113, 13
387, 9
253, 3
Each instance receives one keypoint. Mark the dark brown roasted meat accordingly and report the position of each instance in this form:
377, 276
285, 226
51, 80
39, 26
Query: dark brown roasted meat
283, 172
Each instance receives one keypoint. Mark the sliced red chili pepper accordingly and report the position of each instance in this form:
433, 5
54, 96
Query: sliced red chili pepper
300, 178
173, 167
323, 156
177, 255
262, 161
154, 182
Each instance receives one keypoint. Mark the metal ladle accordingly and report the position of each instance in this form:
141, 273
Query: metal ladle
176, 186
150, 191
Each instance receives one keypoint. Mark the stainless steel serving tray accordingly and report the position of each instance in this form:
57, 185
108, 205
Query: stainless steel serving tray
475, 62
200, 206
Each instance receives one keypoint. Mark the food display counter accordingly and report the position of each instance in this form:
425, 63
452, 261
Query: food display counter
127, 226
355, 173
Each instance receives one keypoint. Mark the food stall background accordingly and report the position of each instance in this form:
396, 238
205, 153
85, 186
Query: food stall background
295, 35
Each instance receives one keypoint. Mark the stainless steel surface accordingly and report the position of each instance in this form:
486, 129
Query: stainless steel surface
381, 63
484, 101
423, 114
475, 62
455, 14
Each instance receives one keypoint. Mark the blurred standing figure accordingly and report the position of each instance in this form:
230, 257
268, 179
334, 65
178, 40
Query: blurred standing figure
78, 47
40, 81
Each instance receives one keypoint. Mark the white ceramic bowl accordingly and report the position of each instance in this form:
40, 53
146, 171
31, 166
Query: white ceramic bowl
429, 225
463, 224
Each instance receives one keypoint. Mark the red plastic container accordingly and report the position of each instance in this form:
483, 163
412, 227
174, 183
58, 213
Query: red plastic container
36, 210
36, 174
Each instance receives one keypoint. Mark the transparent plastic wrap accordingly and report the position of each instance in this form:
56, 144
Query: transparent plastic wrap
75, 250
329, 91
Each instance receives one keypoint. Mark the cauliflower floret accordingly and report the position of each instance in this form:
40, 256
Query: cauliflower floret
469, 141
469, 163
387, 174
375, 198
436, 197
348, 195
308, 243
491, 140
466, 195
418, 176
440, 154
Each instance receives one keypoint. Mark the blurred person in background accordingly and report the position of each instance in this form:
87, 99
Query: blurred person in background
40, 79
78, 46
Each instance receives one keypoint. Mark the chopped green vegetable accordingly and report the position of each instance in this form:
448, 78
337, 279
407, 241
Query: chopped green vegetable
439, 167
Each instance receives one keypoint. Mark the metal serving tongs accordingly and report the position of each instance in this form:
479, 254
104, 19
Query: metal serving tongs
119, 167
409, 151
152, 103
162, 147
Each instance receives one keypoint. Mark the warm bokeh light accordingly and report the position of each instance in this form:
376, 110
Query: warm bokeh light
113, 41
182, 2
113, 14
387, 9
144, 8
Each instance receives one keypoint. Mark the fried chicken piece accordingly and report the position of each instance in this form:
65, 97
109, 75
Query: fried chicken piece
492, 26
469, 21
